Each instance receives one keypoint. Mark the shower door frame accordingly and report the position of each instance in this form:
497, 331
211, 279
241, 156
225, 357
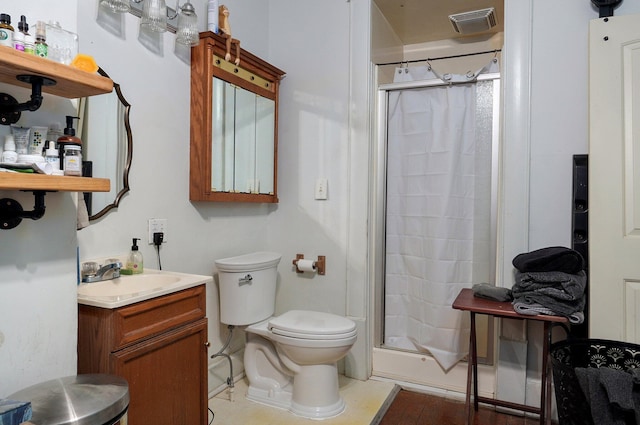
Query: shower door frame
403, 365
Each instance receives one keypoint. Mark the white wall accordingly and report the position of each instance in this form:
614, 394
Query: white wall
38, 267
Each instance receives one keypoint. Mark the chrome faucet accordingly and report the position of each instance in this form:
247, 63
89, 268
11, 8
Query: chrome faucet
109, 271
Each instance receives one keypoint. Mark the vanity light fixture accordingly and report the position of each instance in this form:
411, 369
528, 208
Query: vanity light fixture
156, 16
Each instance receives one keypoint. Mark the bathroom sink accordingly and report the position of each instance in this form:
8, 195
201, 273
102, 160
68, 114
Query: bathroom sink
127, 285
129, 289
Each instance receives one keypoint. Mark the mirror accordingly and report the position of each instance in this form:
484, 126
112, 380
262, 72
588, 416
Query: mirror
107, 146
242, 142
234, 116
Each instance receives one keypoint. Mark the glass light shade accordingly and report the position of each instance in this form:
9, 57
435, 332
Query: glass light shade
116, 6
187, 32
154, 15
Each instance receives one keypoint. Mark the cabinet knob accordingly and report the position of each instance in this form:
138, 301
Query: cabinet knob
207, 344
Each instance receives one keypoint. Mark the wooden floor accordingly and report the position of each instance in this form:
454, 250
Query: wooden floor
411, 408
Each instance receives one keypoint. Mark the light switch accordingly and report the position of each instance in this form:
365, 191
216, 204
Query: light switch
321, 188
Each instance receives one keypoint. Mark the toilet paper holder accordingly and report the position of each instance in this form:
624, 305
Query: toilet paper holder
318, 265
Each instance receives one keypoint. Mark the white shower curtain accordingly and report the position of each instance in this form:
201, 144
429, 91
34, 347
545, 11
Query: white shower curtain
438, 210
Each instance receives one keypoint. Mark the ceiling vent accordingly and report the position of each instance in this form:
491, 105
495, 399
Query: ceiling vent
474, 21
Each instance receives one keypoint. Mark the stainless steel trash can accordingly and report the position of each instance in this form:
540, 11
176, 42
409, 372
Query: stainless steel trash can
91, 399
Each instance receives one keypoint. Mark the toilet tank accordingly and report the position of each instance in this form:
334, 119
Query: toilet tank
247, 287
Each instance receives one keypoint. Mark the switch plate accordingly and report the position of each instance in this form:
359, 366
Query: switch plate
321, 188
157, 225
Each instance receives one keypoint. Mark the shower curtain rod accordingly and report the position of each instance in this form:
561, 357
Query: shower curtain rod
440, 58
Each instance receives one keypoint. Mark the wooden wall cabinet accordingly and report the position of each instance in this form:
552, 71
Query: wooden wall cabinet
160, 347
234, 125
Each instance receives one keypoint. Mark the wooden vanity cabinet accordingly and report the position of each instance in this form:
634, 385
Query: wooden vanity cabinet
160, 347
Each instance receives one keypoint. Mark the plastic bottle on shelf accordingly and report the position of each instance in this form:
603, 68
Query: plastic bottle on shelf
6, 30
68, 138
9, 154
18, 40
212, 16
51, 155
41, 47
29, 41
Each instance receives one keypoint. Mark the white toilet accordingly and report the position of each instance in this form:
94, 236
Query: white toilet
290, 360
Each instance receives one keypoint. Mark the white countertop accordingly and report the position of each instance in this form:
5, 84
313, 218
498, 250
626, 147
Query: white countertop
130, 289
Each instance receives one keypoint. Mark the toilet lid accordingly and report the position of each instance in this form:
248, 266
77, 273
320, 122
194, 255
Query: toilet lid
312, 325
249, 262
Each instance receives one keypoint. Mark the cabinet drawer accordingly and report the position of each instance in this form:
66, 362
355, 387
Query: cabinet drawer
145, 319
102, 331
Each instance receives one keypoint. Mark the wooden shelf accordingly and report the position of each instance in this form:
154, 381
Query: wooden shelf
20, 181
71, 83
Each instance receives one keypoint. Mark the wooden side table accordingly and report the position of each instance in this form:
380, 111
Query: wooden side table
468, 302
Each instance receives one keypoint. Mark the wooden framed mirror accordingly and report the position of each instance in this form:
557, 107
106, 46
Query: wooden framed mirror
234, 125
108, 146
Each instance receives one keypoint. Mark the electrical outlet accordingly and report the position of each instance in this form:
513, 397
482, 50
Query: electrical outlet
157, 225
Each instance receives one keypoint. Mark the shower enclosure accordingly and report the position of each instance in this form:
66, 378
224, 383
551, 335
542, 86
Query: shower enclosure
435, 210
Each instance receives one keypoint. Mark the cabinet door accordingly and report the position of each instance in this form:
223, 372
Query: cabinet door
167, 377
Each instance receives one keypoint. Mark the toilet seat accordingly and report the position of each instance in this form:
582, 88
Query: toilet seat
312, 325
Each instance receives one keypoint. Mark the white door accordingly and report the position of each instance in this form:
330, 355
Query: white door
614, 178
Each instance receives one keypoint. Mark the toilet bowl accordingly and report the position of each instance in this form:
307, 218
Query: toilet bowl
290, 360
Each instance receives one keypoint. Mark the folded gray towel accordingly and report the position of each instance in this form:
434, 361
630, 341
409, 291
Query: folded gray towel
535, 309
562, 293
491, 292
561, 285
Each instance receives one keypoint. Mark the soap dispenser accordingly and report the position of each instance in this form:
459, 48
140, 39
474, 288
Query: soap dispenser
68, 138
134, 262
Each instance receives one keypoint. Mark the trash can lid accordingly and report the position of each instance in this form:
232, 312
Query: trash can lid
91, 399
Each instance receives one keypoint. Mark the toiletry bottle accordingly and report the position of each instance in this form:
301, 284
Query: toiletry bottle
29, 41
41, 47
9, 154
18, 40
72, 160
212, 16
51, 155
6, 30
68, 138
134, 261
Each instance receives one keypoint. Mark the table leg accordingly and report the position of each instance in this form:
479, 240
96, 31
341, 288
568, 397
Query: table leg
467, 400
474, 361
545, 409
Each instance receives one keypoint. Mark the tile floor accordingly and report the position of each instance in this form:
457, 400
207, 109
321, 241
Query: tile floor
363, 398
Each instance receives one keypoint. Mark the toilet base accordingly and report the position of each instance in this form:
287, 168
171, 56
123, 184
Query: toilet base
324, 412
274, 398
310, 392
282, 400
